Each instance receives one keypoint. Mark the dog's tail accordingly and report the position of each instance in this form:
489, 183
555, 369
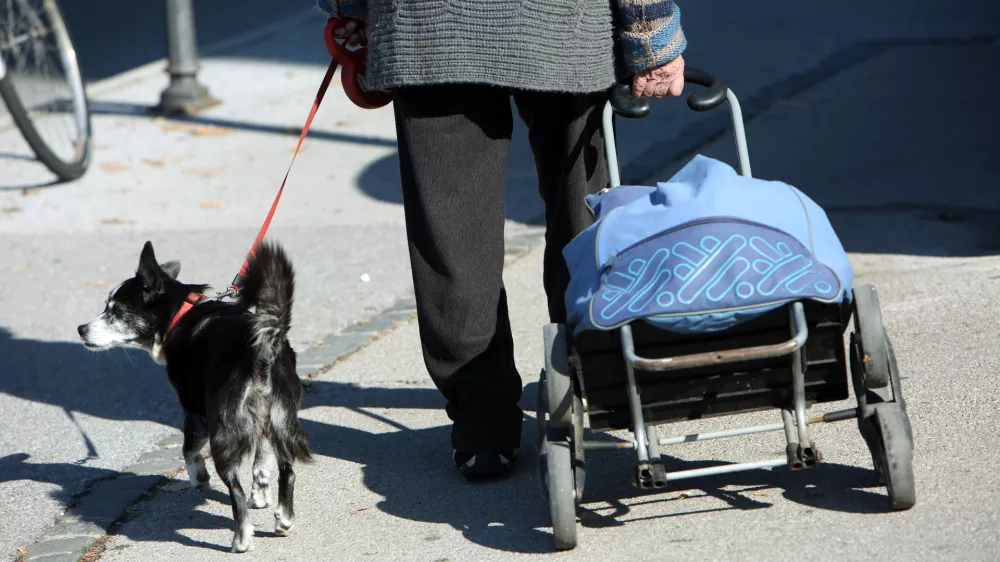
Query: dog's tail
269, 286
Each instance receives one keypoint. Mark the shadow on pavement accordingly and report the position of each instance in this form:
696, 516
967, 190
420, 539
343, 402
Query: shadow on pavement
169, 529
116, 108
69, 477
899, 168
114, 385
380, 181
117, 35
828, 486
412, 471
410, 468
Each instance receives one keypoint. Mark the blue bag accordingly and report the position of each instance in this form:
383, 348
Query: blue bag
702, 252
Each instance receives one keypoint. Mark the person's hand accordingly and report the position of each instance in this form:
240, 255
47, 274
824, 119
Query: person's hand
352, 34
664, 80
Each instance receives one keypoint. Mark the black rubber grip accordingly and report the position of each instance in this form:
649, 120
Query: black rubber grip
627, 106
637, 108
711, 99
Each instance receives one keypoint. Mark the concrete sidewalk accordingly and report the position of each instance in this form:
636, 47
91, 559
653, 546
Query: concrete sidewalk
837, 104
199, 189
381, 436
382, 487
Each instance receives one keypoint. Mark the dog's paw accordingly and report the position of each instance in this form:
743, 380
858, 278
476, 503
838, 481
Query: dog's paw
258, 492
258, 499
282, 523
197, 473
243, 539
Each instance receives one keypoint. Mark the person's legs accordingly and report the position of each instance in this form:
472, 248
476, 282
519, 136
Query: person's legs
568, 143
453, 148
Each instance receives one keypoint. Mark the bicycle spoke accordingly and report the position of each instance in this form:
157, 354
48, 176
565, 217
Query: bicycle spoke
50, 91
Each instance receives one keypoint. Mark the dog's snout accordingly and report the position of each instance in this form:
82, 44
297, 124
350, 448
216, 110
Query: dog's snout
82, 330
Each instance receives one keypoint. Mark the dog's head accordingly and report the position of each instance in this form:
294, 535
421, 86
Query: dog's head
136, 312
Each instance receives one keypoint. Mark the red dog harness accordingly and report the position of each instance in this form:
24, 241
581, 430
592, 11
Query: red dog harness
189, 302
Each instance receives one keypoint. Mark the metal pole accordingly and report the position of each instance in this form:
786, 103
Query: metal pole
184, 94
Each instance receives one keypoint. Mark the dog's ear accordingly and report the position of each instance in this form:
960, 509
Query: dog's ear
149, 271
172, 268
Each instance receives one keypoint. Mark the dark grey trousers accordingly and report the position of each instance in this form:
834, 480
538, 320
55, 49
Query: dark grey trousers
454, 142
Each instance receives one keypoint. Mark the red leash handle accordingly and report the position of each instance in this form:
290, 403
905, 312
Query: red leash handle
354, 65
352, 76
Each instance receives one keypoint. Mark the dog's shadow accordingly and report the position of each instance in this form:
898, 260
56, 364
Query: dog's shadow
172, 529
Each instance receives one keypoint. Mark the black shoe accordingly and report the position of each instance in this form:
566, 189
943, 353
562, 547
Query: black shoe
486, 464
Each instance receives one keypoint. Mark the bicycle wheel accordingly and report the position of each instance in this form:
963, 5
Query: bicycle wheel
42, 86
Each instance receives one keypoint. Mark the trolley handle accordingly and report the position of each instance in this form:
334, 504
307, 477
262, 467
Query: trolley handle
637, 108
800, 333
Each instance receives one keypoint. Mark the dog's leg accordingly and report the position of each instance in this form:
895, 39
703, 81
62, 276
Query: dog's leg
243, 537
284, 516
261, 476
195, 436
230, 445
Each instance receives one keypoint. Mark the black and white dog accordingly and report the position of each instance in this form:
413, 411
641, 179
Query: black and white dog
232, 367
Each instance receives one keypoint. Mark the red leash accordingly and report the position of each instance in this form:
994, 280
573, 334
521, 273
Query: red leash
238, 280
352, 78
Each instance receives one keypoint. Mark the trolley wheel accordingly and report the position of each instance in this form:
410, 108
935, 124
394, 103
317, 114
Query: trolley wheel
558, 382
890, 439
576, 440
574, 434
541, 411
871, 337
887, 432
561, 492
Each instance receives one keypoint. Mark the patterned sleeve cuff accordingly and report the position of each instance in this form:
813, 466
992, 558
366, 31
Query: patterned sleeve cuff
354, 9
651, 33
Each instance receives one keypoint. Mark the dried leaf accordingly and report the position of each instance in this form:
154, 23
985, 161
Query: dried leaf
198, 130
213, 204
19, 267
205, 171
99, 282
116, 221
211, 131
154, 162
113, 167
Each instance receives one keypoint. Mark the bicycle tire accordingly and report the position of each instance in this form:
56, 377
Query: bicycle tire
66, 169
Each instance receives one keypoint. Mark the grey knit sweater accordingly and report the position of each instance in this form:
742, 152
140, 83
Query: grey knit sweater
541, 45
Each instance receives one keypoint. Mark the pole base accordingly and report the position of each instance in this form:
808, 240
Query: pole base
184, 96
